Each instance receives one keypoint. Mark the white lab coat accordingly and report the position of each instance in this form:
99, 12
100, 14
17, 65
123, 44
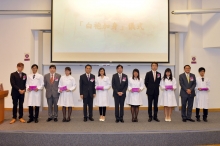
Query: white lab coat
134, 98
34, 98
102, 98
66, 98
168, 97
202, 96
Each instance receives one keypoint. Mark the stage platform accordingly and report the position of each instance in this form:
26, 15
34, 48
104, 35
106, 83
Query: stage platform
96, 133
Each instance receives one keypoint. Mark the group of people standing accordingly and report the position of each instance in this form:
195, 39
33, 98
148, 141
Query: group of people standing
59, 92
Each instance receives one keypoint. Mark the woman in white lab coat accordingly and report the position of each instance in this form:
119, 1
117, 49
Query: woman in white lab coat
34, 86
102, 85
202, 95
168, 99
66, 95
135, 86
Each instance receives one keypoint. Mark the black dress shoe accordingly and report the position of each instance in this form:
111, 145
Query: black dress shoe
198, 120
36, 120
68, 119
91, 119
136, 120
205, 120
150, 119
85, 120
133, 120
184, 120
55, 119
64, 120
191, 120
122, 121
30, 120
49, 119
156, 119
116, 121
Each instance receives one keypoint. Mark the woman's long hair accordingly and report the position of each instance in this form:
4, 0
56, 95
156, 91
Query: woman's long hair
100, 70
165, 76
136, 70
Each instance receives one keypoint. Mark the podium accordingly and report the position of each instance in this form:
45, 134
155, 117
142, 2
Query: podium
3, 94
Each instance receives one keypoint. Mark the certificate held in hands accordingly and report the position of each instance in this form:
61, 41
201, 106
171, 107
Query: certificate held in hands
32, 88
99, 87
64, 88
169, 87
135, 89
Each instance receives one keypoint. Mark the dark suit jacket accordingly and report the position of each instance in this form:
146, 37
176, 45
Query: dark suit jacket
87, 87
185, 85
119, 87
17, 83
151, 85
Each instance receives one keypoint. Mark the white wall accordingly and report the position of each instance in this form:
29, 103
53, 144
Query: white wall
17, 36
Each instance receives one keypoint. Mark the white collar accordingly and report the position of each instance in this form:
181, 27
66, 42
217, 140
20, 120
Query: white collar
120, 74
87, 74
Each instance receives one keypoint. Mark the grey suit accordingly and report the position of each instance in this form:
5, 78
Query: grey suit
185, 97
52, 94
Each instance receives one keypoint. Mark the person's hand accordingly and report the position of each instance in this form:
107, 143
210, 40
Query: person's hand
139, 90
199, 89
81, 96
188, 91
29, 89
36, 90
67, 90
119, 93
60, 91
20, 91
94, 95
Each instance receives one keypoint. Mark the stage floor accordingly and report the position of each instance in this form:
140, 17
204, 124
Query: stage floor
77, 126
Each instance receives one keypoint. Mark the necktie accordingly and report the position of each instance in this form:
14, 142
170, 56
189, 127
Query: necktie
187, 77
154, 75
33, 76
203, 79
120, 78
20, 74
88, 77
51, 79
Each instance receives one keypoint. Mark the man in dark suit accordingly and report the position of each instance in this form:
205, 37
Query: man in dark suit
119, 85
188, 83
152, 83
18, 82
87, 91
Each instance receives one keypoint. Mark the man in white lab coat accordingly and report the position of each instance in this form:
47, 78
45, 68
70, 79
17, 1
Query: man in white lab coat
34, 85
202, 89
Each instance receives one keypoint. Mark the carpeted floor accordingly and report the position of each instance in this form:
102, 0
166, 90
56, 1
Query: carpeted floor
76, 125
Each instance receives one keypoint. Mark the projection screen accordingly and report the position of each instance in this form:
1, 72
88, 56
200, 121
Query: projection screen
110, 31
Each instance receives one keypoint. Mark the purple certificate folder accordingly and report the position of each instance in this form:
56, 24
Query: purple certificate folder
64, 88
99, 87
169, 87
204, 89
135, 89
32, 87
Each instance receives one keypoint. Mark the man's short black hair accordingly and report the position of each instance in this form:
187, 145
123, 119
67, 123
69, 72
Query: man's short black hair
119, 66
186, 66
34, 65
52, 66
154, 63
201, 69
88, 65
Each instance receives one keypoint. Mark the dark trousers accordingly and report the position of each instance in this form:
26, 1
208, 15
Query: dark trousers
31, 112
102, 111
187, 101
152, 99
205, 113
88, 101
119, 101
17, 100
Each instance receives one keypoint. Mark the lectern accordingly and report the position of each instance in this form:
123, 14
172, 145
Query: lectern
3, 94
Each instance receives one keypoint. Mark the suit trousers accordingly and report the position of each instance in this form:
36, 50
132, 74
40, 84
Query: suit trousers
119, 101
31, 112
152, 99
88, 101
52, 107
187, 101
18, 100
